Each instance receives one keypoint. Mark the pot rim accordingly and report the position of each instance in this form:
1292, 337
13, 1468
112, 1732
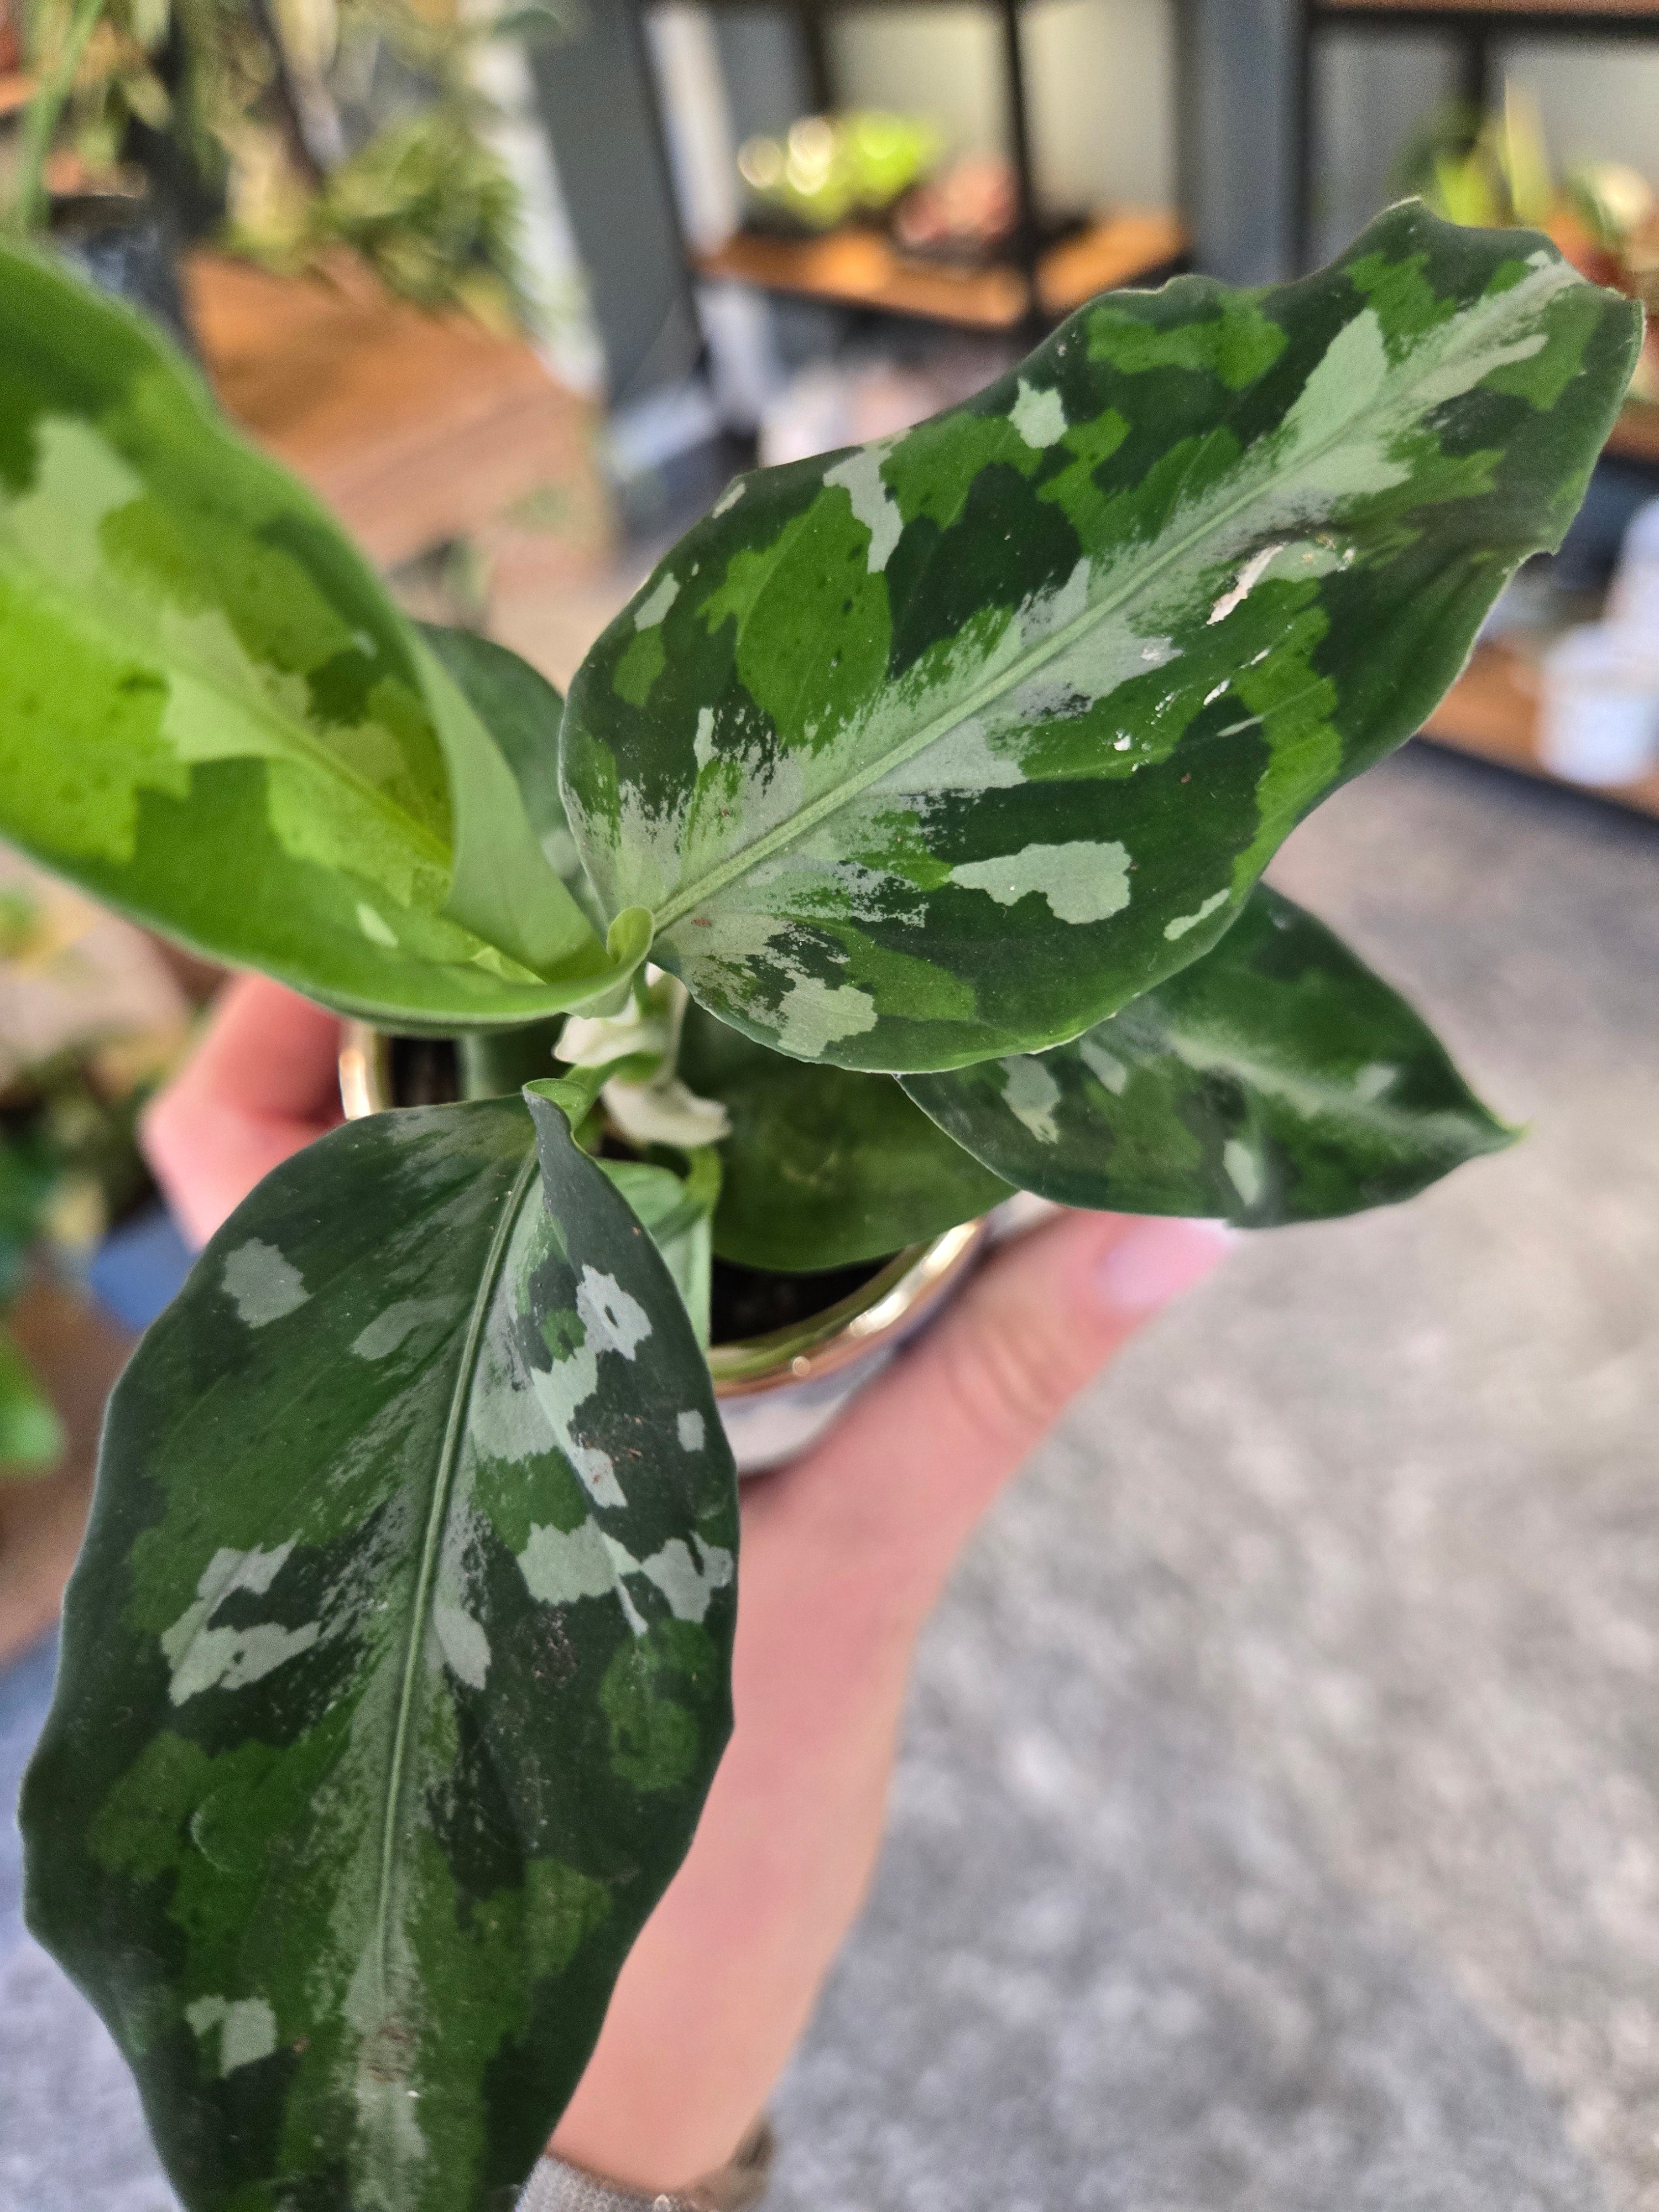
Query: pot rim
869, 1319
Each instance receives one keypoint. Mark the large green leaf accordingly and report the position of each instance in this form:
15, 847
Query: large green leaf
212, 714
824, 1167
1276, 1080
394, 1670
952, 745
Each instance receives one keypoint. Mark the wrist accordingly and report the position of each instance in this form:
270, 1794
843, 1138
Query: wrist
560, 2183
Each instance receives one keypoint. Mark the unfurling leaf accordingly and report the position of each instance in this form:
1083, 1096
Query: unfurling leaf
1277, 1079
212, 716
952, 745
395, 1668
824, 1167
522, 712
675, 1212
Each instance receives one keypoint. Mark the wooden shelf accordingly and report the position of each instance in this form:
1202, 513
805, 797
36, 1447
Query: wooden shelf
1636, 433
1492, 711
855, 267
415, 429
1635, 11
831, 7
1130, 243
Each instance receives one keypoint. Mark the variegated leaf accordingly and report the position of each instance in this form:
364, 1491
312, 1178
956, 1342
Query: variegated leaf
824, 1167
1277, 1079
394, 1670
522, 711
212, 716
952, 745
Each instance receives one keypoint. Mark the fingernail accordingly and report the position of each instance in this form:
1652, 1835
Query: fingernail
1158, 1259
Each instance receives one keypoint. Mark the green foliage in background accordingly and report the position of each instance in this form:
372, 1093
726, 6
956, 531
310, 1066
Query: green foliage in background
31, 1434
304, 127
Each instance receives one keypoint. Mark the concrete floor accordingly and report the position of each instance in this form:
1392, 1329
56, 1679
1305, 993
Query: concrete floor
1279, 1823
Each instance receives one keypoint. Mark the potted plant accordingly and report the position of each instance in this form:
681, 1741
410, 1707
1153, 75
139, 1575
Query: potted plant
935, 779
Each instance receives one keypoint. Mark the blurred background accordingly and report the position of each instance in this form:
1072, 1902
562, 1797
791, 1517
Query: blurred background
1278, 1820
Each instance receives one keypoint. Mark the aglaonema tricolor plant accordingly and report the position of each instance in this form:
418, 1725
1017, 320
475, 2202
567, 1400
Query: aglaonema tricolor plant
941, 773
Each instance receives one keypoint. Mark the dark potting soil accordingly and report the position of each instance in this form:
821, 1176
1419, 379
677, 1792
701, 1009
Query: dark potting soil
425, 1071
751, 1301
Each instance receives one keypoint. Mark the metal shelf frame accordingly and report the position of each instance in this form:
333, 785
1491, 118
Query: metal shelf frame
1025, 246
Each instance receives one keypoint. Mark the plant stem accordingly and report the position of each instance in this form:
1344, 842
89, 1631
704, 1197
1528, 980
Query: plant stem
40, 120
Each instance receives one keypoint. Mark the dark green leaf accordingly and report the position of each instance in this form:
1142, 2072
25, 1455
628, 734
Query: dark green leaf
212, 717
31, 1434
952, 745
1276, 1080
395, 1667
824, 1167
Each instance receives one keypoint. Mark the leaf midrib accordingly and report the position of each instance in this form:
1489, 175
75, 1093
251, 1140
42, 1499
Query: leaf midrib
828, 803
121, 638
426, 1575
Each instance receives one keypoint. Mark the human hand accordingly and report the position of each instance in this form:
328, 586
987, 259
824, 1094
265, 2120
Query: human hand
844, 1554
262, 1083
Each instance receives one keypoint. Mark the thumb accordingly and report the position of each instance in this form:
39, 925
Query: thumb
918, 1457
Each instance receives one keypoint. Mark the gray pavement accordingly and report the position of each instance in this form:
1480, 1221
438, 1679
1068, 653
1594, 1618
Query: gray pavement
1278, 1828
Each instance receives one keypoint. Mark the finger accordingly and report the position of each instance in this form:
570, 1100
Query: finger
269, 1052
918, 1457
261, 1085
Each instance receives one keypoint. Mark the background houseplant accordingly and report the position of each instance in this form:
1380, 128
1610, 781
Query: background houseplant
309, 136
1496, 169
957, 758
91, 1021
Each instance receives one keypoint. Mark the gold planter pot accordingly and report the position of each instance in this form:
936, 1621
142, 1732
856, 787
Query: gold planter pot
777, 1393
